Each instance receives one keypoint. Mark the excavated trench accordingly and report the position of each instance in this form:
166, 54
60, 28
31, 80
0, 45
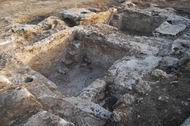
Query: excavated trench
76, 63
138, 23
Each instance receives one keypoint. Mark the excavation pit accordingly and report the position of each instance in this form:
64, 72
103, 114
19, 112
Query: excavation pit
140, 23
75, 63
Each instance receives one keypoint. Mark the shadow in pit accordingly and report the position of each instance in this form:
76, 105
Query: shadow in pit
75, 63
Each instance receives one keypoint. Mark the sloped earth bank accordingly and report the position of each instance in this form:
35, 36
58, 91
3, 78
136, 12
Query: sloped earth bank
125, 66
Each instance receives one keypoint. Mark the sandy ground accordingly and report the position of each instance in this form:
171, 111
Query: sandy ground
17, 8
24, 11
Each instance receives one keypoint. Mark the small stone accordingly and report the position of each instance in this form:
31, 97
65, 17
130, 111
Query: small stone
127, 99
142, 87
159, 74
67, 62
169, 62
174, 82
163, 98
62, 70
4, 81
